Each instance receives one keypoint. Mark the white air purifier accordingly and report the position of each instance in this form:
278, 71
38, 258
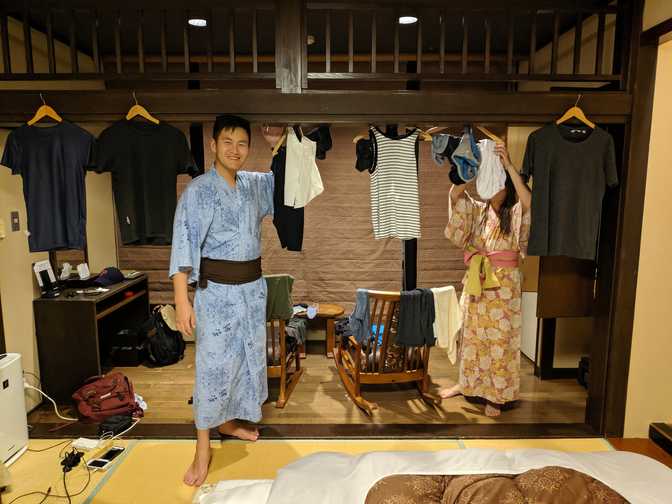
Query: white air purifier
13, 418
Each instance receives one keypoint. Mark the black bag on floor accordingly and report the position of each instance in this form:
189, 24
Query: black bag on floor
164, 343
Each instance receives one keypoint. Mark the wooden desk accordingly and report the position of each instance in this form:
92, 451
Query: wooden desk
72, 330
329, 312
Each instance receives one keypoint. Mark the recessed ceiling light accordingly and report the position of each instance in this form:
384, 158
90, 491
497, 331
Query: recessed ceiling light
407, 19
198, 22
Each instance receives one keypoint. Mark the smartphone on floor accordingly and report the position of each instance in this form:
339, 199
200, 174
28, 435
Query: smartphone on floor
103, 462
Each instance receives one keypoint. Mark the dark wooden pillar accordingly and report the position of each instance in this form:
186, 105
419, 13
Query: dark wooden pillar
289, 45
610, 355
196, 128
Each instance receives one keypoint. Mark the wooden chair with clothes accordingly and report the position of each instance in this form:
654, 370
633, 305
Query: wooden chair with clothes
282, 352
379, 359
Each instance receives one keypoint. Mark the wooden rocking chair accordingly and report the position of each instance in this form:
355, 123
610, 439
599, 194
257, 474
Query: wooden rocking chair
279, 360
380, 359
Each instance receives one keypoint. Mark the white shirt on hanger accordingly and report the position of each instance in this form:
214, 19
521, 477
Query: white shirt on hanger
302, 178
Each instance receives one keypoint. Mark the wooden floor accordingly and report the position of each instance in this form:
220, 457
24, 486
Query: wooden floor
319, 398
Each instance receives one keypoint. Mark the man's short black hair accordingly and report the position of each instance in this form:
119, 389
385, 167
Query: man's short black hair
230, 122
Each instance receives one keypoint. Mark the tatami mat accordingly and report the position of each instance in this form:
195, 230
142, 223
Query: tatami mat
572, 445
151, 470
38, 471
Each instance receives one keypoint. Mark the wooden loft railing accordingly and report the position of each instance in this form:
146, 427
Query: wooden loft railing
494, 57
315, 41
152, 43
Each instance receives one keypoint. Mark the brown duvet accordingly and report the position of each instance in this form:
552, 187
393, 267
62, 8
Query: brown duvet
552, 485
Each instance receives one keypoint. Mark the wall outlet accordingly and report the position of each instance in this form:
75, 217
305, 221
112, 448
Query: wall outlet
15, 221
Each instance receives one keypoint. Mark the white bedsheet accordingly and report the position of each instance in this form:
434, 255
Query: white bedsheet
234, 491
337, 478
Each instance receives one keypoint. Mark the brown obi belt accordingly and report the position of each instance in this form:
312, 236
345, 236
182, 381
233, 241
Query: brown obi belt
229, 272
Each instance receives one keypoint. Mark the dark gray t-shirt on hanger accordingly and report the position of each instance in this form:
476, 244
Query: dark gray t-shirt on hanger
570, 166
52, 161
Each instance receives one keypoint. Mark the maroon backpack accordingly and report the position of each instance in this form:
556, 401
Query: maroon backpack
104, 396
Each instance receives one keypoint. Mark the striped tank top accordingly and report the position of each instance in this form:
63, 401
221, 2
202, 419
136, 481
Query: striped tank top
395, 206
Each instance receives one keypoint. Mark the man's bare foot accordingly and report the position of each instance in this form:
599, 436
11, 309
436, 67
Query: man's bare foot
453, 391
238, 429
492, 410
198, 470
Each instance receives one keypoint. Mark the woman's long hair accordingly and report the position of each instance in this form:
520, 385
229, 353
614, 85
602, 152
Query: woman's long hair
504, 212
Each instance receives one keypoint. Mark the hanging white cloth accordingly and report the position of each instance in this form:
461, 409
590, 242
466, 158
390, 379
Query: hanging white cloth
302, 178
447, 320
491, 176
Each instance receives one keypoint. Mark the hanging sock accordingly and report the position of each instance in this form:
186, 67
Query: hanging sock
467, 156
491, 176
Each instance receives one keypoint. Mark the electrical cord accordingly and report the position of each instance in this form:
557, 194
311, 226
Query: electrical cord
65, 487
88, 480
48, 493
106, 436
39, 381
137, 421
46, 496
50, 447
26, 385
70, 460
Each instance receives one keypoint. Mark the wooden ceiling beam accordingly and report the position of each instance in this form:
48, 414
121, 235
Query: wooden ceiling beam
318, 106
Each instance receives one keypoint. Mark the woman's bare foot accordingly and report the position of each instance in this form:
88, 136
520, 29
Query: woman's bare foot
238, 429
492, 410
453, 391
198, 470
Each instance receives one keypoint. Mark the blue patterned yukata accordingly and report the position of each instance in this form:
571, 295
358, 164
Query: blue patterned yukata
214, 220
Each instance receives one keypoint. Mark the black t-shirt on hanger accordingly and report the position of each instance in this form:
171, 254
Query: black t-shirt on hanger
52, 161
145, 160
570, 166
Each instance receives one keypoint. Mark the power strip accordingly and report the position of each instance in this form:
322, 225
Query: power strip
86, 444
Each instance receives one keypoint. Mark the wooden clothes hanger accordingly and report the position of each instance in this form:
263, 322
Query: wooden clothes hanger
436, 129
489, 134
280, 142
44, 111
423, 136
139, 110
482, 129
364, 135
576, 113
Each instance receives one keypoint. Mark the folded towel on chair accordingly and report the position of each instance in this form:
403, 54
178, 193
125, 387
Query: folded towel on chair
279, 304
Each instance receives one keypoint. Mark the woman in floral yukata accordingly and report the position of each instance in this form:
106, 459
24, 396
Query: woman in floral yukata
217, 245
494, 237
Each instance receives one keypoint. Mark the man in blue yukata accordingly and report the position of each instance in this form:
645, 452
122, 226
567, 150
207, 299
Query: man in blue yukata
217, 246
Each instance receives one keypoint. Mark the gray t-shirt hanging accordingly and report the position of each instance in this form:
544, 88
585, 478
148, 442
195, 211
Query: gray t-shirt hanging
570, 166
145, 160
